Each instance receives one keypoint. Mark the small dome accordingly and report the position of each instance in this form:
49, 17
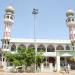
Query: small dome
10, 9
69, 12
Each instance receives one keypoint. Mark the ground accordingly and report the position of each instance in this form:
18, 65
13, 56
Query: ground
52, 73
30, 74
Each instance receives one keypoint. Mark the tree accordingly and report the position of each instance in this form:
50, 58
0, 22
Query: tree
24, 57
39, 58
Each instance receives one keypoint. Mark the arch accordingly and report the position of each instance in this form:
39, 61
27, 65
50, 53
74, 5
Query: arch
7, 16
11, 17
59, 47
22, 45
50, 48
31, 46
67, 47
41, 47
13, 47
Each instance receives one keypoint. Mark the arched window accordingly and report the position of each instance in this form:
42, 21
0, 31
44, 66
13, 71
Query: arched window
6, 16
50, 48
69, 19
31, 46
11, 17
72, 19
41, 47
67, 47
59, 47
13, 47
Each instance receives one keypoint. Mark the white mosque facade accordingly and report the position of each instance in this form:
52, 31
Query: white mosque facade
55, 50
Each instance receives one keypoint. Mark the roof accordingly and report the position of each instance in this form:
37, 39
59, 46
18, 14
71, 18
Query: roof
22, 40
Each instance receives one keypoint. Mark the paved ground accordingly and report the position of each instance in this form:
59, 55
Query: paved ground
31, 74
55, 73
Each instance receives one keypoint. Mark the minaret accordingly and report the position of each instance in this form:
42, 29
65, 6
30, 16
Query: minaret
70, 21
8, 22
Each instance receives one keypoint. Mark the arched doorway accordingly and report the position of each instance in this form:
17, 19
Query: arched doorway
31, 46
41, 47
67, 47
59, 47
50, 48
22, 45
13, 47
49, 64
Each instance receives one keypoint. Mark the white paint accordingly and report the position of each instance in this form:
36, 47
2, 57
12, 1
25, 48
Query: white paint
58, 63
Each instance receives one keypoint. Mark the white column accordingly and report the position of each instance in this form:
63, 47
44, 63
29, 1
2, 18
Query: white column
55, 47
64, 47
26, 46
58, 63
51, 67
46, 48
46, 61
42, 67
36, 47
16, 47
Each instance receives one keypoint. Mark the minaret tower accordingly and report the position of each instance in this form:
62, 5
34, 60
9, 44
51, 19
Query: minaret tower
70, 21
8, 21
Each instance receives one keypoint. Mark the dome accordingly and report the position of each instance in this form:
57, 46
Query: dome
10, 9
69, 12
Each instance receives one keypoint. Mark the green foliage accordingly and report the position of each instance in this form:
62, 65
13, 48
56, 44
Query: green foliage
24, 56
30, 56
39, 57
9, 56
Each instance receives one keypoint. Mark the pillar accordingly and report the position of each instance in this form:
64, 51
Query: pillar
51, 67
36, 47
42, 67
46, 62
16, 47
46, 48
26, 46
55, 47
58, 63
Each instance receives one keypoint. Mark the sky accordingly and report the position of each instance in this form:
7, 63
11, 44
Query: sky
49, 22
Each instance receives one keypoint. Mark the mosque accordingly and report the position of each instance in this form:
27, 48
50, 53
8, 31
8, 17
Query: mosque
55, 50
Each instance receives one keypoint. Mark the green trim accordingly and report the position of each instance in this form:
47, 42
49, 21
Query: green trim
61, 52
